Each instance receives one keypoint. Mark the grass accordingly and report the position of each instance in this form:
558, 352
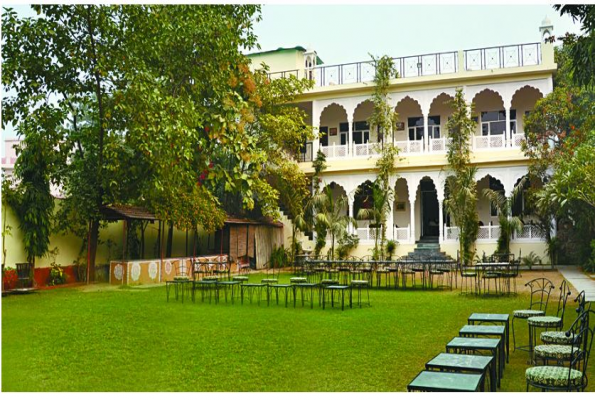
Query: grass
132, 340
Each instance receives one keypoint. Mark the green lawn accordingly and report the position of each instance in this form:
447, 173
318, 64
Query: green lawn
132, 340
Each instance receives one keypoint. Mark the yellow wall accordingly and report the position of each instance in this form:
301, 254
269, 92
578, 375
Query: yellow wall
279, 61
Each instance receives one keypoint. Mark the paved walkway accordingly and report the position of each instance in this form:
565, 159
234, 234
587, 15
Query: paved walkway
579, 280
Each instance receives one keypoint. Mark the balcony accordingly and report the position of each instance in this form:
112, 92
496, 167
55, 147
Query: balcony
530, 233
433, 64
411, 147
367, 234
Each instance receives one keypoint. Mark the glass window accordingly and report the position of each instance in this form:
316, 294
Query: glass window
494, 122
361, 126
344, 127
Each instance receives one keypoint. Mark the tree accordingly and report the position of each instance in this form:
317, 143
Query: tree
461, 201
559, 145
383, 119
330, 215
508, 224
582, 47
319, 165
148, 100
381, 201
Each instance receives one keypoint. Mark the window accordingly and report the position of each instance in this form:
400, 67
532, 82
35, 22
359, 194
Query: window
361, 132
494, 122
416, 127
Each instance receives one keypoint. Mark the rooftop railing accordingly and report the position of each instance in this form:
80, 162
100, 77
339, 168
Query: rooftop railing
517, 55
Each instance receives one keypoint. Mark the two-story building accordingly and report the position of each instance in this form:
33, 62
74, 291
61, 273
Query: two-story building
501, 83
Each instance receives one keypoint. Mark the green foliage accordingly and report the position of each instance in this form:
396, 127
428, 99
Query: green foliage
279, 258
461, 185
382, 198
560, 142
590, 264
346, 243
384, 118
330, 215
507, 223
319, 165
531, 260
391, 247
581, 47
57, 276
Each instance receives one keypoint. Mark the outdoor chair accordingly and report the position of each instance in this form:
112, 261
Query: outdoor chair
24, 278
509, 276
406, 271
559, 337
272, 275
182, 280
448, 272
489, 274
574, 376
469, 278
222, 267
550, 322
366, 268
540, 296
435, 274
419, 267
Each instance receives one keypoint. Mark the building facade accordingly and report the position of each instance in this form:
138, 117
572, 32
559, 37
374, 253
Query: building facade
501, 83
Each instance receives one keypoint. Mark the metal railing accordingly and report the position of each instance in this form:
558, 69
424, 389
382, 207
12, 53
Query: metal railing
407, 67
306, 154
517, 55
286, 74
529, 232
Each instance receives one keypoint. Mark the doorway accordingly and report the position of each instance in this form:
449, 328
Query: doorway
429, 210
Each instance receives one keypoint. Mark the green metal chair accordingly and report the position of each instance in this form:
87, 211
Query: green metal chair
574, 376
540, 296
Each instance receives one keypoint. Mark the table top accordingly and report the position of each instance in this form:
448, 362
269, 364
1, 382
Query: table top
474, 343
485, 329
489, 317
336, 287
460, 361
445, 381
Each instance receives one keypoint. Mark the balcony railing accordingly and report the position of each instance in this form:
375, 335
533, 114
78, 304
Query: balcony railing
517, 139
410, 146
492, 232
365, 149
517, 55
334, 151
10, 153
489, 142
366, 234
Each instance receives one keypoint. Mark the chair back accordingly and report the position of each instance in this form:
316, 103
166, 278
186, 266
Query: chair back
581, 345
540, 293
562, 299
23, 271
182, 269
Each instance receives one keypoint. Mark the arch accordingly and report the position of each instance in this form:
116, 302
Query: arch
485, 98
440, 102
327, 109
406, 100
363, 110
337, 190
362, 196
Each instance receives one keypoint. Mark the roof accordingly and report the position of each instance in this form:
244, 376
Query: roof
122, 212
281, 49
231, 220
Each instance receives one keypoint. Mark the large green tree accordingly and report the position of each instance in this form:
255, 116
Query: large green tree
148, 101
461, 201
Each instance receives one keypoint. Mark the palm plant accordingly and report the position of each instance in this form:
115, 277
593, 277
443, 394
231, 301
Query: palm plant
508, 223
460, 204
330, 215
381, 201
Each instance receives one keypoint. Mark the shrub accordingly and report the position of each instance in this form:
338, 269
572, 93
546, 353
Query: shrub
531, 259
391, 247
590, 265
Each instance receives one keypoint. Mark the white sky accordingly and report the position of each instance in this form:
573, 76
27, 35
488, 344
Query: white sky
348, 33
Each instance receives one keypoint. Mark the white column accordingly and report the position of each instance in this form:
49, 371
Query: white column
440, 221
315, 142
390, 223
412, 219
351, 228
350, 136
426, 139
508, 141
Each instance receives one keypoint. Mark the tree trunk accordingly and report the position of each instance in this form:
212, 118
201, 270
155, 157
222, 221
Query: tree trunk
170, 239
93, 240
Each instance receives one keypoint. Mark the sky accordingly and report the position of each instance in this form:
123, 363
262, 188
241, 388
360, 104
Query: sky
349, 33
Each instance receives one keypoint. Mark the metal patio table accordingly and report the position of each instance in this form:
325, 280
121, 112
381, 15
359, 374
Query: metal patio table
432, 381
176, 283
465, 363
486, 330
488, 318
459, 344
